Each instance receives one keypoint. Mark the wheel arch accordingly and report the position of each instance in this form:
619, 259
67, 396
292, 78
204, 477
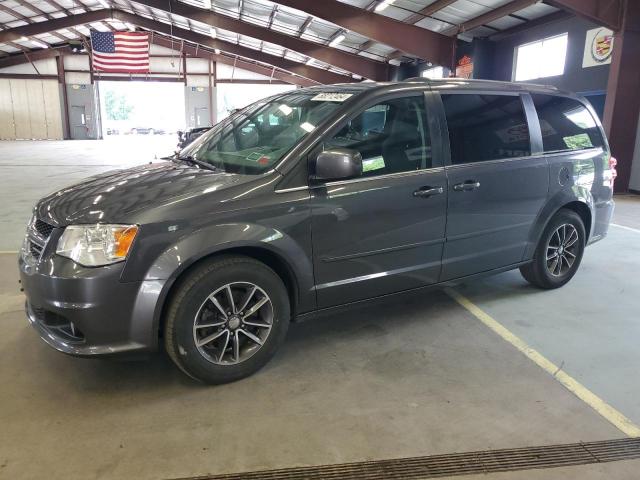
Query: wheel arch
270, 258
581, 204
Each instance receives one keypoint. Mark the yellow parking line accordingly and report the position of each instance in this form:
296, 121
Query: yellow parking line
616, 418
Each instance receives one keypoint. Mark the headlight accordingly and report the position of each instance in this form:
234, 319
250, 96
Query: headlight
96, 245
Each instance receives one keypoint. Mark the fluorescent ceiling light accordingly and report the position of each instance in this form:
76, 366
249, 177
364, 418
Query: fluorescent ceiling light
216, 51
337, 40
207, 4
104, 3
310, 61
24, 39
130, 27
213, 32
385, 3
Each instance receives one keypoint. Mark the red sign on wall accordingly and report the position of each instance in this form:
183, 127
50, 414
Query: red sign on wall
464, 69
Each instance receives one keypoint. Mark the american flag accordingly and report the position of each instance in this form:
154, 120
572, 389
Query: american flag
120, 52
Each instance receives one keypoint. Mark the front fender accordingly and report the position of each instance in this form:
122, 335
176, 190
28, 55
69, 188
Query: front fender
188, 250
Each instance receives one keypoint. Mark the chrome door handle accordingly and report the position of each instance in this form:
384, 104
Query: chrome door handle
425, 192
466, 186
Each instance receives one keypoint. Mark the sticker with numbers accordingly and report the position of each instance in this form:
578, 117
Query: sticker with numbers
331, 97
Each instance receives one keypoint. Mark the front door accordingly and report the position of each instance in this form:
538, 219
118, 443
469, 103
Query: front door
496, 188
382, 232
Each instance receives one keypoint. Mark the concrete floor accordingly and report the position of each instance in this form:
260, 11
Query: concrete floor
418, 377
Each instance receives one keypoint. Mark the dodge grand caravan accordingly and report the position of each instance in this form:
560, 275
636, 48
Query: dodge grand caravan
314, 199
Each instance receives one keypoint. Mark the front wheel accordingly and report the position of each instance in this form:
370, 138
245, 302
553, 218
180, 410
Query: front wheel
559, 251
227, 319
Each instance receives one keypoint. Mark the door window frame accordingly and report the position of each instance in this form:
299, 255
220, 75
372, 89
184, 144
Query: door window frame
531, 117
432, 123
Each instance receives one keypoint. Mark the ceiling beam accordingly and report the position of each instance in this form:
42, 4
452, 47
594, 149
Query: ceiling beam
52, 25
422, 43
37, 11
188, 48
194, 51
21, 58
523, 27
603, 12
490, 16
313, 73
352, 63
428, 11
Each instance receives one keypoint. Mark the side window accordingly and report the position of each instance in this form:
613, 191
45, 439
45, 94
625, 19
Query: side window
486, 127
392, 136
566, 124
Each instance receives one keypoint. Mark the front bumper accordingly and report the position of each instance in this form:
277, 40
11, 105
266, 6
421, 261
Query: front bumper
89, 311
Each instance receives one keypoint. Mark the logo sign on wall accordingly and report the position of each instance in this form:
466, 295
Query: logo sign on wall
598, 47
464, 69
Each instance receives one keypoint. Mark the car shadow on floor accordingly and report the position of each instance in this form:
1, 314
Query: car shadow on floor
353, 332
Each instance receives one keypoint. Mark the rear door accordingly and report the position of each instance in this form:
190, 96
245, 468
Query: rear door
496, 187
382, 232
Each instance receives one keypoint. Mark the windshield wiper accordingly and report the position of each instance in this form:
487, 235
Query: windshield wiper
194, 161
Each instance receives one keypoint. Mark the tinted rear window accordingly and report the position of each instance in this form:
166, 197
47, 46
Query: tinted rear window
566, 124
486, 127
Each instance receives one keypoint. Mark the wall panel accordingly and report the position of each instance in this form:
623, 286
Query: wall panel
7, 130
37, 117
52, 108
20, 99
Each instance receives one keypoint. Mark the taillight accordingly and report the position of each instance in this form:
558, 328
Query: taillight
612, 166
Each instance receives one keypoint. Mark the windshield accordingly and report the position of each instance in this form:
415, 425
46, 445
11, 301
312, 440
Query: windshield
253, 140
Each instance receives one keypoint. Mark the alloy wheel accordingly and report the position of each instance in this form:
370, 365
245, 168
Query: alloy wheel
233, 323
562, 250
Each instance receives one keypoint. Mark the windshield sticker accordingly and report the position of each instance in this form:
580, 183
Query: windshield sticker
259, 158
331, 97
254, 156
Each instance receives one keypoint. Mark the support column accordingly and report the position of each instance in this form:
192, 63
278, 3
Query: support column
62, 83
622, 106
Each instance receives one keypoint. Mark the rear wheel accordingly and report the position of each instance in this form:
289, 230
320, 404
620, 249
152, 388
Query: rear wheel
227, 319
559, 251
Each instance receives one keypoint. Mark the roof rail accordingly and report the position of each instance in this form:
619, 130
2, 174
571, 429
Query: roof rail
479, 80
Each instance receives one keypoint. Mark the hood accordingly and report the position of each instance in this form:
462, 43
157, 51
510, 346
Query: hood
112, 196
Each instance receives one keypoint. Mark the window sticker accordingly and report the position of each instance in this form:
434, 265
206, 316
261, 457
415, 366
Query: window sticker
331, 97
374, 163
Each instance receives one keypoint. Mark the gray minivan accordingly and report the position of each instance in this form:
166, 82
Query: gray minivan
310, 200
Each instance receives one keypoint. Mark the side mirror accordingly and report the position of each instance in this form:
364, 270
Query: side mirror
338, 164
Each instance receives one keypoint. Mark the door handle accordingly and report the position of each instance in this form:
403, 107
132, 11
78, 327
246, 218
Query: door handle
425, 192
466, 186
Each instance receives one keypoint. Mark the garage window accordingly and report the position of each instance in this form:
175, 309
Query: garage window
544, 58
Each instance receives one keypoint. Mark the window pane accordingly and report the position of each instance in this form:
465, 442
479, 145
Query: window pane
391, 136
541, 59
566, 124
486, 127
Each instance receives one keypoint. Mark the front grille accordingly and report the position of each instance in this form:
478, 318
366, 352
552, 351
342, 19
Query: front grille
35, 249
43, 228
38, 234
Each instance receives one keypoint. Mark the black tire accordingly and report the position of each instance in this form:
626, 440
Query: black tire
544, 273
190, 298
